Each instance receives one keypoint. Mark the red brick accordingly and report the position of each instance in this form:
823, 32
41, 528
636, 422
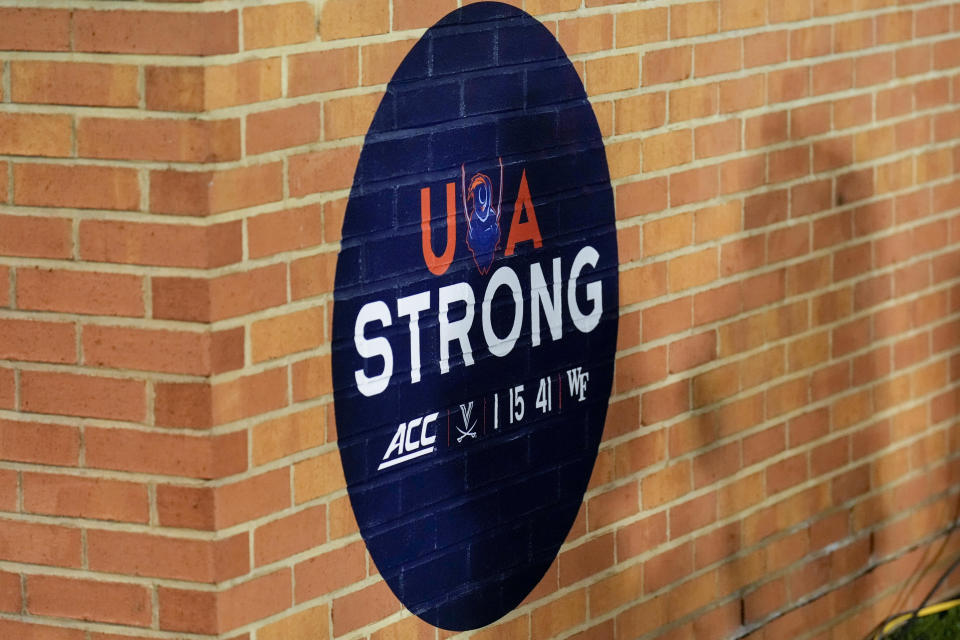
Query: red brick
186, 405
249, 396
312, 378
764, 49
638, 198
156, 32
349, 19
576, 35
811, 42
742, 93
742, 174
640, 536
914, 60
252, 498
330, 572
10, 599
717, 57
786, 397
159, 350
693, 19
34, 237
82, 395
643, 283
764, 600
186, 507
563, 613
932, 21
84, 187
39, 443
76, 83
287, 230
329, 70
166, 454
612, 73
354, 610
290, 535
761, 367
36, 341
641, 27
717, 139
320, 171
79, 292
200, 193
40, 544
166, 245
199, 89
810, 198
810, 120
350, 116
765, 209
7, 388
873, 69
764, 289
666, 402
227, 296
667, 65
667, 318
695, 185
312, 276
715, 385
156, 556
34, 29
765, 130
85, 497
640, 369
638, 454
791, 242
788, 164
693, 515
9, 497
693, 351
277, 25
283, 128
613, 505
159, 139
413, 14
831, 77
853, 35
379, 65
894, 27
694, 102
184, 610
113, 602
788, 84
34, 134
25, 631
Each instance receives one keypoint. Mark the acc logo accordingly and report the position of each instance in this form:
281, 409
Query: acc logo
475, 316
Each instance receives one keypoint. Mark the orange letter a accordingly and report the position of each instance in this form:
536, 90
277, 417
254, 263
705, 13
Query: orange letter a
438, 265
523, 231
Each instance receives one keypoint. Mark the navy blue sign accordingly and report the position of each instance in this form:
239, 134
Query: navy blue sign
475, 316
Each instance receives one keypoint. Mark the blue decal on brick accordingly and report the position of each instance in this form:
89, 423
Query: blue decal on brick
475, 316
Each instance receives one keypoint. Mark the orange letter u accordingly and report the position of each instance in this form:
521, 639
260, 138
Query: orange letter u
438, 265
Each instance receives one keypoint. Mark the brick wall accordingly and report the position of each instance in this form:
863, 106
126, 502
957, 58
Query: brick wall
778, 456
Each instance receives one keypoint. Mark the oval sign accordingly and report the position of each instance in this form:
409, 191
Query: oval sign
475, 316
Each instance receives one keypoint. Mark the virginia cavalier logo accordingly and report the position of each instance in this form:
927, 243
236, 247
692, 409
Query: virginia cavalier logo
475, 316
483, 219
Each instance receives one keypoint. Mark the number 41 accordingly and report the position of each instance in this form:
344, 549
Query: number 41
545, 395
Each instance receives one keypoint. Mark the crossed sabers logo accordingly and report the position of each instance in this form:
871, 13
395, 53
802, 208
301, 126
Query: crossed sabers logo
466, 410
